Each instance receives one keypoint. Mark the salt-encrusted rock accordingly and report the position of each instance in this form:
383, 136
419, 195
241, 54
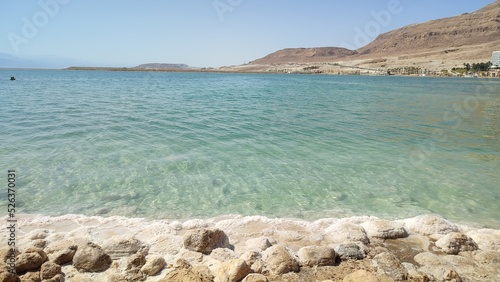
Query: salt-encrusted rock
193, 274
278, 260
31, 276
413, 274
30, 259
136, 261
486, 239
454, 243
128, 276
429, 224
231, 271
488, 257
154, 264
38, 234
361, 275
435, 267
346, 232
176, 225
383, 229
260, 244
191, 256
38, 243
222, 254
390, 265
255, 277
166, 244
254, 260
350, 251
205, 240
181, 263
316, 256
49, 269
120, 246
7, 276
91, 258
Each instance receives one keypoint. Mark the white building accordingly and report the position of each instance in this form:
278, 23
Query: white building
495, 60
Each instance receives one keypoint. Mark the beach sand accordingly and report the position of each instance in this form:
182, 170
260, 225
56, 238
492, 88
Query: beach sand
423, 248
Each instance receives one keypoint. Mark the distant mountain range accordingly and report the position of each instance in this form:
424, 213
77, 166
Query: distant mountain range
434, 45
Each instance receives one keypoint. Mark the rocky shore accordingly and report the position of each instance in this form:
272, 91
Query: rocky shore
249, 249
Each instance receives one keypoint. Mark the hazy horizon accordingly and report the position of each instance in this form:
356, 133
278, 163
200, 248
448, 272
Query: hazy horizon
197, 33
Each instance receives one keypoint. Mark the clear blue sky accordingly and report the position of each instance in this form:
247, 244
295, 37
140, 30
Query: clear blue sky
194, 32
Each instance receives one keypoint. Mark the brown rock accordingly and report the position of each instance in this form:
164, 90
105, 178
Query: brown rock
31, 259
361, 276
231, 271
31, 276
254, 260
64, 256
454, 243
49, 269
7, 252
278, 260
91, 258
316, 256
6, 275
205, 240
136, 261
154, 264
57, 278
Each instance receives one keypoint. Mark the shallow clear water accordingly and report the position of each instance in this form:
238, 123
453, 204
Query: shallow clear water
179, 145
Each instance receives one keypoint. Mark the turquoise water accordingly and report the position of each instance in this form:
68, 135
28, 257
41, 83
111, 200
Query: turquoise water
184, 145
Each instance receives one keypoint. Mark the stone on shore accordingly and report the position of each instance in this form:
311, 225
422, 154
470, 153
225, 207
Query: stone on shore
136, 261
30, 259
346, 232
91, 258
191, 274
231, 271
350, 251
120, 246
254, 260
64, 256
429, 224
205, 240
154, 264
383, 229
7, 276
278, 260
454, 243
316, 256
49, 269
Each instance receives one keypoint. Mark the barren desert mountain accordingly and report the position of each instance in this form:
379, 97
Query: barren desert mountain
470, 29
433, 45
291, 55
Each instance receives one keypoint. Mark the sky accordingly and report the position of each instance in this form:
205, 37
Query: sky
201, 33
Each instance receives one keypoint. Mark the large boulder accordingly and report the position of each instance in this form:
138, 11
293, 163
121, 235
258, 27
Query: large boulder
278, 260
91, 258
205, 240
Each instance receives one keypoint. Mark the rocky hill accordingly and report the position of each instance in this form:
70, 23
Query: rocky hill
433, 45
290, 55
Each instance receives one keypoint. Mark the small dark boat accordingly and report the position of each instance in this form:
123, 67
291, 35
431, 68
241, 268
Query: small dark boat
12, 78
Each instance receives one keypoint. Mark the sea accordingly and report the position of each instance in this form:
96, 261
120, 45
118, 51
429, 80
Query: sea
160, 145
